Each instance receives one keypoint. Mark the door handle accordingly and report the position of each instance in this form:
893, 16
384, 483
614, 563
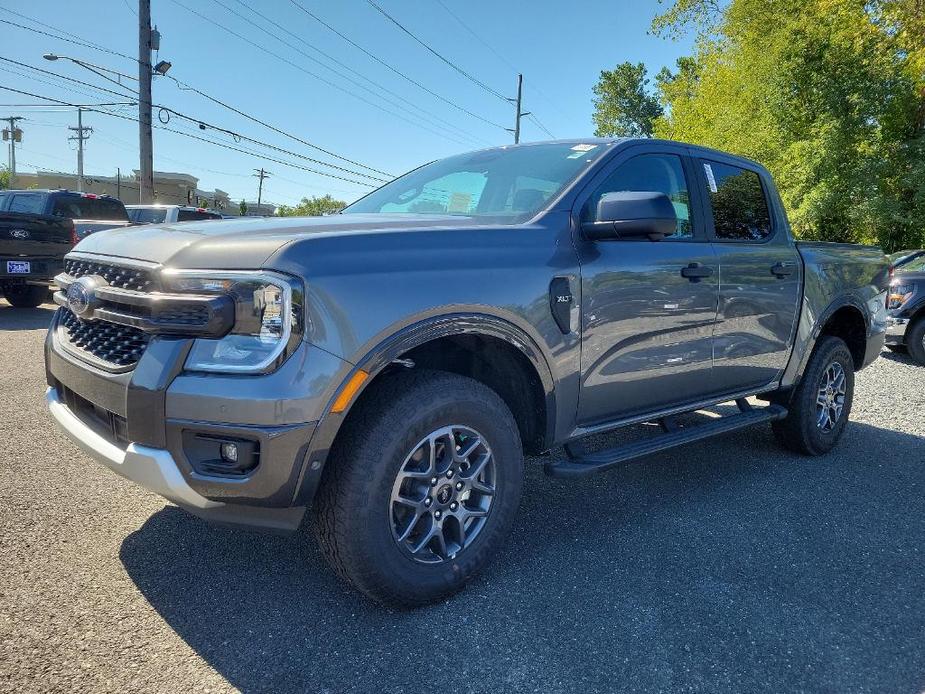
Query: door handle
782, 269
696, 272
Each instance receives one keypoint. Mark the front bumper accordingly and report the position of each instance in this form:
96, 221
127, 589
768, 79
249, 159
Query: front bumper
149, 423
156, 470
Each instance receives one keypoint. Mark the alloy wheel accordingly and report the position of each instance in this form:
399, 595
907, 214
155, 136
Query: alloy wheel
830, 398
442, 494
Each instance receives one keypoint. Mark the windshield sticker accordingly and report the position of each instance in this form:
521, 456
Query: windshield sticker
583, 148
459, 203
710, 179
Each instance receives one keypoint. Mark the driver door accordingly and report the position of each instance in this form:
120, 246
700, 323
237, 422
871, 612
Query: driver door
647, 330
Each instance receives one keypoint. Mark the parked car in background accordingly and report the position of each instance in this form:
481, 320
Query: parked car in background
90, 212
906, 304
168, 214
32, 249
388, 366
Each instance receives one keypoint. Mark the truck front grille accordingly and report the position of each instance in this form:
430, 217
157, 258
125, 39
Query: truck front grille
116, 346
121, 276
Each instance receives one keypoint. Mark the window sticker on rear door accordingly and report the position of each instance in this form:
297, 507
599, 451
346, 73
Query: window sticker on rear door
711, 180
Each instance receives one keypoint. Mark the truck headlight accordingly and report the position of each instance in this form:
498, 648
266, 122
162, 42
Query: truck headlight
267, 325
899, 294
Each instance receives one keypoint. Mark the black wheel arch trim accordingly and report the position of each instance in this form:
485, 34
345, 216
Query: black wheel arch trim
846, 301
400, 342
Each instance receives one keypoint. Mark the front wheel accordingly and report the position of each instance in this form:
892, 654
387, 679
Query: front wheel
26, 295
819, 409
421, 489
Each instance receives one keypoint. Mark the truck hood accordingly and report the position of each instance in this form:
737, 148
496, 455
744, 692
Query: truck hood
248, 242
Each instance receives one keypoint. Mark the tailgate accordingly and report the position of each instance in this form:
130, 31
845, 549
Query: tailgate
33, 246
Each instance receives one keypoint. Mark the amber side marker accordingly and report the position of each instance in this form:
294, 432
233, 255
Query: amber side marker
349, 390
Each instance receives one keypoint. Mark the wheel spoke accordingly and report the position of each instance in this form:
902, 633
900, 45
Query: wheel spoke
463, 455
412, 523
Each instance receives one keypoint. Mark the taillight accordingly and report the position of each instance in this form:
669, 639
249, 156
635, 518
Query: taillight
74, 239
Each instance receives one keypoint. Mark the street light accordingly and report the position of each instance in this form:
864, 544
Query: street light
162, 67
91, 67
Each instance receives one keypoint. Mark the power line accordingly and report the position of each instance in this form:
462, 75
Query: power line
397, 100
195, 137
449, 62
78, 42
301, 68
184, 85
395, 70
200, 122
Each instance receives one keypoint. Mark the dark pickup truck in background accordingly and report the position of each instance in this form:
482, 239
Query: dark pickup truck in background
37, 227
388, 366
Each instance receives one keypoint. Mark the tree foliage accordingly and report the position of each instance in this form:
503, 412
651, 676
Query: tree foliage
624, 106
312, 207
828, 94
5, 178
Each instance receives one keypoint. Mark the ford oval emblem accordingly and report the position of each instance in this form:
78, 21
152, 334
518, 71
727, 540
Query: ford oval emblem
19, 233
81, 296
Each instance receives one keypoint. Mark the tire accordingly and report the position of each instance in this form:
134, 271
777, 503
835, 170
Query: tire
26, 295
801, 430
357, 519
915, 340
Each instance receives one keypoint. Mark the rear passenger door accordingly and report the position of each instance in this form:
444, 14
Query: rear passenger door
760, 274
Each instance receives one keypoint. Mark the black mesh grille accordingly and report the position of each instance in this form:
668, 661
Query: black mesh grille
184, 315
119, 276
116, 345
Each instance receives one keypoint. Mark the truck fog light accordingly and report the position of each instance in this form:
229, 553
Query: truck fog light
229, 452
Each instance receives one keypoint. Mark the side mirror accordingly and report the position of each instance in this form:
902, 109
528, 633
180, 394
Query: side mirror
632, 215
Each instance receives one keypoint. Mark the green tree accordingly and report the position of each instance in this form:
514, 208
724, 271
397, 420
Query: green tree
312, 207
242, 207
828, 94
624, 106
5, 178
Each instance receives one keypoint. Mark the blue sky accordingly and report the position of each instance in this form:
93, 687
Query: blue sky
384, 121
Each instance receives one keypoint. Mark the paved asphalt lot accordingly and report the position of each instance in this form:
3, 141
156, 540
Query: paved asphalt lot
729, 566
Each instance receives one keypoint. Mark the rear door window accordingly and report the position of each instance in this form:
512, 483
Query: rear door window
79, 207
740, 209
28, 203
191, 215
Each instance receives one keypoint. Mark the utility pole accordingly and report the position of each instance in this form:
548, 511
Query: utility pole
80, 137
118, 183
145, 145
518, 114
14, 135
261, 174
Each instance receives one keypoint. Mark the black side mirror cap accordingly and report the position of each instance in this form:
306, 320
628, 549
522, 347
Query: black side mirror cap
632, 215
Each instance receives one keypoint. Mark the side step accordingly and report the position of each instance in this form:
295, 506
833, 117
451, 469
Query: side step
580, 463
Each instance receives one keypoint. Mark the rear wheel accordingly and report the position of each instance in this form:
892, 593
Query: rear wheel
819, 409
422, 489
915, 340
26, 295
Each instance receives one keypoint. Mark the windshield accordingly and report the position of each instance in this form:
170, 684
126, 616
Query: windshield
902, 257
147, 215
916, 264
509, 184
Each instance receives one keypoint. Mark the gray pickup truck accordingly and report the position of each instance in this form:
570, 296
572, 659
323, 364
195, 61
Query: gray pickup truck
387, 367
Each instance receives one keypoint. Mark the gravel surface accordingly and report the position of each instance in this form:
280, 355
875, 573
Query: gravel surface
727, 566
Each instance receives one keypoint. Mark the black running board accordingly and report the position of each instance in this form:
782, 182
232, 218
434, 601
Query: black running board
580, 464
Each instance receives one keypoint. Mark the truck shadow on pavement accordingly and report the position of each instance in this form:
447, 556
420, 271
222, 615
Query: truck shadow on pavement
725, 566
25, 318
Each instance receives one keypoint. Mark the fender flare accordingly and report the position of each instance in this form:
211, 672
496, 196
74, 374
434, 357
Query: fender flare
400, 342
849, 301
